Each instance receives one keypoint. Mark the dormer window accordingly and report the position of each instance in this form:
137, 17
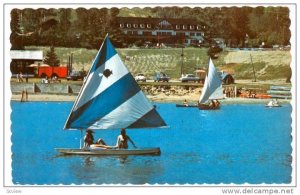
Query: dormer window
191, 27
135, 25
142, 25
177, 26
128, 25
121, 25
184, 26
198, 27
148, 25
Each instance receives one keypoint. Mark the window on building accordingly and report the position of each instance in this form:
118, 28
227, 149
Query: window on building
198, 34
177, 26
142, 25
128, 25
135, 25
198, 27
192, 34
192, 27
148, 25
184, 26
121, 25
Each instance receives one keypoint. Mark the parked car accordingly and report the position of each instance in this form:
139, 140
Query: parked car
75, 75
140, 77
189, 77
160, 76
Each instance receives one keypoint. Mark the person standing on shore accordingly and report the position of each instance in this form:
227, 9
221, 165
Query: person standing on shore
21, 77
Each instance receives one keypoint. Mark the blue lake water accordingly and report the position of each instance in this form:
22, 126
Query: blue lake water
238, 143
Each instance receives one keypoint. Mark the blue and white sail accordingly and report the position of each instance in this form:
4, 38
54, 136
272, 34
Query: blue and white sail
212, 89
110, 98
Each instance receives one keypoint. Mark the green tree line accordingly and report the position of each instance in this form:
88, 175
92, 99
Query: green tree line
238, 26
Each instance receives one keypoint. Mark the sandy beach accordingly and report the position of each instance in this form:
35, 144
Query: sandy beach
192, 98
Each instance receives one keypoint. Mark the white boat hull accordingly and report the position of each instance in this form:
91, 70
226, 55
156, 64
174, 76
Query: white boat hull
90, 151
272, 106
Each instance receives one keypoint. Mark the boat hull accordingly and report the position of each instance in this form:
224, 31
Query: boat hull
186, 106
272, 106
207, 107
90, 151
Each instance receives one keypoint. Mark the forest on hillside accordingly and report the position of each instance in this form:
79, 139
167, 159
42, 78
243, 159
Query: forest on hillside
85, 28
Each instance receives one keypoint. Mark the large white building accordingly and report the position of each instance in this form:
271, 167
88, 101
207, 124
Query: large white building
162, 30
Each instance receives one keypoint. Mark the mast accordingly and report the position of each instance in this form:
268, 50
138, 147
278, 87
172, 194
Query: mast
253, 68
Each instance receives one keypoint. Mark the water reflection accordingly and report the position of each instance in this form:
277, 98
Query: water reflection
103, 170
89, 161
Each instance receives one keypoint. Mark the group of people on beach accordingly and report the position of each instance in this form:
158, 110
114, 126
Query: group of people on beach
122, 141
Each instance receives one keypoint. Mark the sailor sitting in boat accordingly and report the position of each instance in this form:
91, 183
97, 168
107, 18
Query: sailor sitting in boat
88, 138
122, 141
185, 103
214, 103
89, 141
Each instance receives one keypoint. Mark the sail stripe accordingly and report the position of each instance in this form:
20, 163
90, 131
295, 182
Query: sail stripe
103, 55
103, 103
150, 119
128, 113
100, 82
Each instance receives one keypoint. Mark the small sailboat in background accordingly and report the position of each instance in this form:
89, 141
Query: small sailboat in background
110, 98
273, 103
212, 89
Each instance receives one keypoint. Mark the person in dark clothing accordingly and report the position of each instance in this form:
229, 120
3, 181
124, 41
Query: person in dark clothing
88, 138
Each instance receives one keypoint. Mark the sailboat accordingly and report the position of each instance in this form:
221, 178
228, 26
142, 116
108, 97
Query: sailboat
111, 99
212, 89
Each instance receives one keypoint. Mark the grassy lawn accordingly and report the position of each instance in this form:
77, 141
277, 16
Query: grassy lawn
170, 61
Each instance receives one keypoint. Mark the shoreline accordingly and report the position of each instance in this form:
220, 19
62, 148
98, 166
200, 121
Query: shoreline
153, 98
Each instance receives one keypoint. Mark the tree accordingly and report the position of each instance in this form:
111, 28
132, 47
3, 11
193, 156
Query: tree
270, 25
51, 58
15, 38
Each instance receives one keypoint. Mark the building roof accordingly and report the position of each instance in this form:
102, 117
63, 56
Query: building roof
26, 55
224, 75
157, 21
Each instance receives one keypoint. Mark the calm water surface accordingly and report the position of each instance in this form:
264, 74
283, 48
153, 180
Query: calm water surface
237, 144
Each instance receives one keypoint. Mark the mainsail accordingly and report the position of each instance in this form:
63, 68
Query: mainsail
110, 98
212, 88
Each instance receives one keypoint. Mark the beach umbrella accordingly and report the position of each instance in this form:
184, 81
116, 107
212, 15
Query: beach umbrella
44, 65
32, 65
36, 65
